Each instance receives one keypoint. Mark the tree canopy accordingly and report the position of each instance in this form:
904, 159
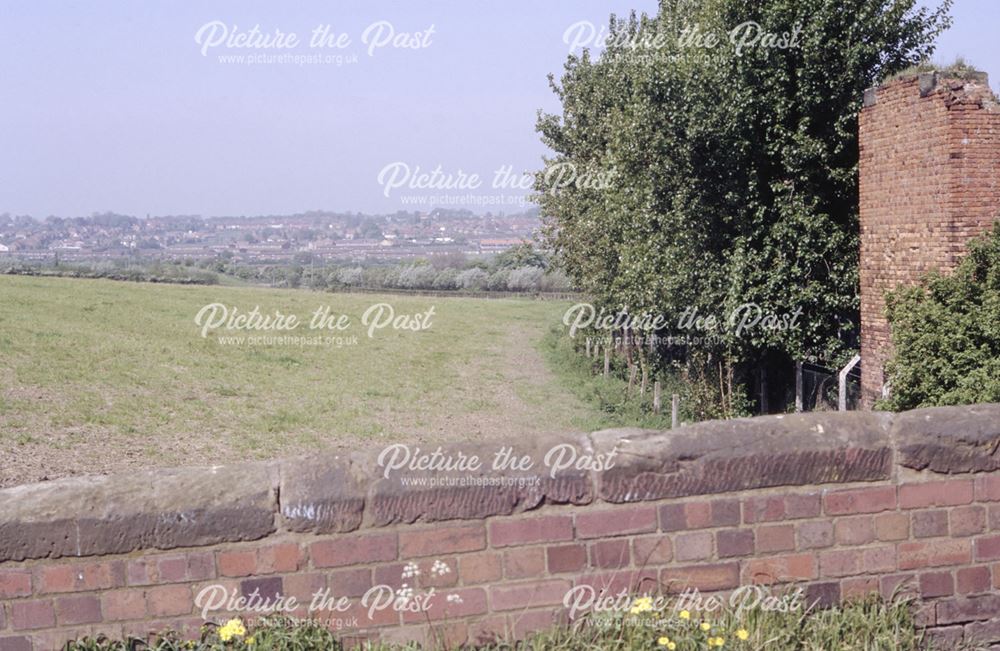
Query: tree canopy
730, 171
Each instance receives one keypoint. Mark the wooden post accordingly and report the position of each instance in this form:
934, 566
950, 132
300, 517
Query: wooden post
656, 397
588, 347
631, 378
645, 380
798, 387
607, 361
763, 390
675, 403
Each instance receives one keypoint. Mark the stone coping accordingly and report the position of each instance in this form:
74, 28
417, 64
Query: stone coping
331, 493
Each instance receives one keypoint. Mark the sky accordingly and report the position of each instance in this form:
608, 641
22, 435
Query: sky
142, 108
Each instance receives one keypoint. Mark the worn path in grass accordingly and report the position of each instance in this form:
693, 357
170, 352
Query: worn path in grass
101, 376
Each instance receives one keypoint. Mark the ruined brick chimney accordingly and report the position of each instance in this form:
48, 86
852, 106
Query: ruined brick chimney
929, 181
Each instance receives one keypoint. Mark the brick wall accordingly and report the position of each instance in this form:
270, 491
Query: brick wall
840, 504
929, 180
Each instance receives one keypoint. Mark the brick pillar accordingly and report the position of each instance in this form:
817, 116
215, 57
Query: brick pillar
929, 173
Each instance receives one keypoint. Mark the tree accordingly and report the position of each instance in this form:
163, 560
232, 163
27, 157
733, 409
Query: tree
725, 176
946, 334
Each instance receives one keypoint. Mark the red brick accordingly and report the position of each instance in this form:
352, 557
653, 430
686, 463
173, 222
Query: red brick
123, 604
732, 543
892, 526
879, 560
615, 581
706, 577
617, 522
858, 588
697, 515
860, 500
78, 609
482, 567
526, 531
354, 550
693, 546
952, 492
840, 562
781, 569
894, 586
566, 558
815, 535
524, 624
717, 513
304, 586
283, 557
652, 550
858, 530
765, 508
802, 506
472, 602
349, 583
442, 540
936, 584
993, 517
15, 643
968, 609
988, 548
967, 520
775, 538
672, 517
609, 554
32, 614
80, 577
524, 562
930, 524
725, 513
988, 488
938, 553
169, 601
529, 595
15, 583
238, 563
973, 580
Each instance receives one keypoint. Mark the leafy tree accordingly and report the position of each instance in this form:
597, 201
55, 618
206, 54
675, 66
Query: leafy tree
727, 175
946, 334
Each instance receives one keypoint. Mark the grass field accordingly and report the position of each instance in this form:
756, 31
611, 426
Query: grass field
102, 376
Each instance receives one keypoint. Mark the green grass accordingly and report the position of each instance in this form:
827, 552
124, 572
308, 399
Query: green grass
116, 375
868, 625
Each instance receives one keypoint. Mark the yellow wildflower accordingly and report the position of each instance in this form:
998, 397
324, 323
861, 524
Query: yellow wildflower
663, 641
231, 629
705, 626
671, 645
743, 634
641, 605
250, 640
685, 615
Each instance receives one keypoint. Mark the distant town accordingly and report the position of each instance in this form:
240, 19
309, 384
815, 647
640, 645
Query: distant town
310, 236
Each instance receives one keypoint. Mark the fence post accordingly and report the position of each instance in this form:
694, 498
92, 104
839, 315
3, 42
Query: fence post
656, 397
675, 403
588, 347
798, 387
607, 361
842, 382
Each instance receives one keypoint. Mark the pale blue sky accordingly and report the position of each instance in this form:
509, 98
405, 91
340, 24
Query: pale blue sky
111, 105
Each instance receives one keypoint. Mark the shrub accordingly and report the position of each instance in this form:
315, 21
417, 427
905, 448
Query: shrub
473, 279
946, 334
